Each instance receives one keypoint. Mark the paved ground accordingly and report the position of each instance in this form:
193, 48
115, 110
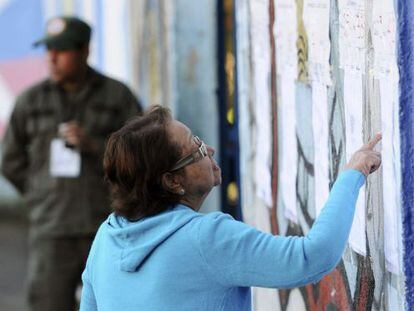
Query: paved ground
13, 256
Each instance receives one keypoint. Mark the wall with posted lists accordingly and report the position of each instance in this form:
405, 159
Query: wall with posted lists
317, 79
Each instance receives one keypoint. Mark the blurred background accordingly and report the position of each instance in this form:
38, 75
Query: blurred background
165, 51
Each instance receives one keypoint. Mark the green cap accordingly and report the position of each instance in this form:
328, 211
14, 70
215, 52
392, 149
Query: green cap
65, 33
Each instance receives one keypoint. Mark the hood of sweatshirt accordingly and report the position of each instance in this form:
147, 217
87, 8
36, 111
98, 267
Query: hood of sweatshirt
135, 241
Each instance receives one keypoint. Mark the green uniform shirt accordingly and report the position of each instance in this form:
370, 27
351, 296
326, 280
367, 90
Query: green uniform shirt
64, 206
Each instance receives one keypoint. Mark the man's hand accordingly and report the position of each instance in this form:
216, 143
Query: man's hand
75, 136
366, 160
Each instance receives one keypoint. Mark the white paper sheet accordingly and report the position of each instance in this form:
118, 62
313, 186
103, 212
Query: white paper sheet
261, 56
316, 19
245, 90
321, 136
64, 162
286, 33
353, 103
289, 150
391, 173
352, 35
384, 39
386, 70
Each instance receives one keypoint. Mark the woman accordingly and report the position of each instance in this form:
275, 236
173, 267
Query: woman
156, 252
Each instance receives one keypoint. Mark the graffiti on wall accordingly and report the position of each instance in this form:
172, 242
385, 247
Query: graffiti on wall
302, 45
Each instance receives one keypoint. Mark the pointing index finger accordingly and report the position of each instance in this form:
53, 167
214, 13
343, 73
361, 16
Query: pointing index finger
373, 142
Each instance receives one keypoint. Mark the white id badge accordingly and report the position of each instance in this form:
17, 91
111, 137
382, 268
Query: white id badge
64, 161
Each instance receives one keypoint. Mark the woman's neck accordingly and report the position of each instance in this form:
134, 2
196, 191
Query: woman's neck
194, 202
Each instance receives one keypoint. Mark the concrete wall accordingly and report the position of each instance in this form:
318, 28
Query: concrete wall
175, 61
20, 66
196, 74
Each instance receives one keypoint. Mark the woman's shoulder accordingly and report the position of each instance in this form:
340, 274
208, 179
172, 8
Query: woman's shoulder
213, 218
214, 223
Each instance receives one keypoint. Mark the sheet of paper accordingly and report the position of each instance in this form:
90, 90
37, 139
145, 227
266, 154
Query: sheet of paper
353, 104
64, 162
289, 150
286, 33
317, 30
352, 35
245, 91
384, 38
391, 172
386, 70
261, 56
321, 136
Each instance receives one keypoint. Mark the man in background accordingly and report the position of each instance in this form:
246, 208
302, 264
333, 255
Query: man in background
52, 153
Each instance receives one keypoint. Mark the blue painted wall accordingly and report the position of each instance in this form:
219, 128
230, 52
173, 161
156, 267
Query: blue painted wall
21, 23
406, 67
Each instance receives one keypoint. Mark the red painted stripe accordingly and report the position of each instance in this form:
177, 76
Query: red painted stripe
19, 74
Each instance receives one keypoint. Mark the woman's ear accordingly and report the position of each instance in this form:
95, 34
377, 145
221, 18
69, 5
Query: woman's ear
172, 182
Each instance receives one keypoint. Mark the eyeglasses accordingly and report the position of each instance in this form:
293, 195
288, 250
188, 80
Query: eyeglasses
201, 153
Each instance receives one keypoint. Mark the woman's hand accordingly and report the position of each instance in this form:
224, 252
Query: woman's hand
366, 160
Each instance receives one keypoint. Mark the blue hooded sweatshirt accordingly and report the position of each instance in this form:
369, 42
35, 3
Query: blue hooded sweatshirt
183, 260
